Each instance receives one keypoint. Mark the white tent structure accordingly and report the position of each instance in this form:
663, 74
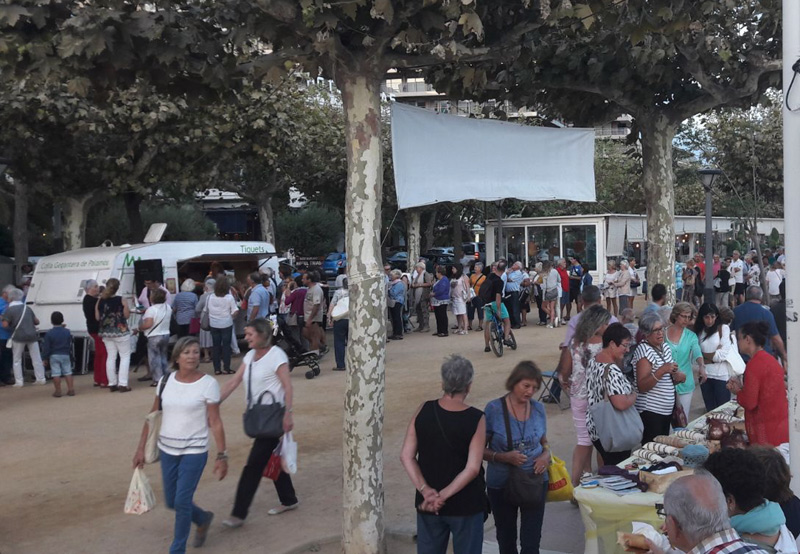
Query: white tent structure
445, 158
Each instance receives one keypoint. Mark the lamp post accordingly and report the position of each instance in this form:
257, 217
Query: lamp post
707, 177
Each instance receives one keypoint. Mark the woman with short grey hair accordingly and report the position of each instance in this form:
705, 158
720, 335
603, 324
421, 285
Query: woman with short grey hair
22, 322
623, 283
90, 300
656, 377
442, 455
206, 342
396, 300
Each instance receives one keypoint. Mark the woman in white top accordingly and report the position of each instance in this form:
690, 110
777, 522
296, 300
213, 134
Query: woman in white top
656, 377
189, 401
459, 295
221, 308
715, 342
266, 368
774, 279
623, 284
205, 336
341, 326
551, 286
155, 325
610, 287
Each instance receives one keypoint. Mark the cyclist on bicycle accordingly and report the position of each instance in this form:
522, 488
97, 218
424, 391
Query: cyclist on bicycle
495, 306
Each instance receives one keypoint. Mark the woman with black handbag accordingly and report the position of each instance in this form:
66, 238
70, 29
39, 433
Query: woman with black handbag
442, 455
265, 373
519, 455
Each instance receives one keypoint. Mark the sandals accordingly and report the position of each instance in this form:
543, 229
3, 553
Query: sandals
217, 372
229, 372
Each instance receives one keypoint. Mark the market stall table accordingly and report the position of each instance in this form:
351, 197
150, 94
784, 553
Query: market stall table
604, 513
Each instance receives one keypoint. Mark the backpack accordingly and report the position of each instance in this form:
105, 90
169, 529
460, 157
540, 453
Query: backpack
485, 292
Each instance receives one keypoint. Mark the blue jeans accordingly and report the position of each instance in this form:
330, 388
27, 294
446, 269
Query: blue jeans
60, 365
505, 521
222, 347
433, 533
715, 393
340, 330
157, 355
181, 474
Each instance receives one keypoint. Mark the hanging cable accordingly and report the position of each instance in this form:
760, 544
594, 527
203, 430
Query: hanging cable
795, 71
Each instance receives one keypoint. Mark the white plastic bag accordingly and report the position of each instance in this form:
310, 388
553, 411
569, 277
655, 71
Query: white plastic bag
289, 454
141, 498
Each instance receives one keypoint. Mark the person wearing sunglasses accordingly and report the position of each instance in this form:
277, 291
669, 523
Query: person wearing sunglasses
656, 377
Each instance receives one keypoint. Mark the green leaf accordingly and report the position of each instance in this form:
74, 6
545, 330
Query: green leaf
11, 14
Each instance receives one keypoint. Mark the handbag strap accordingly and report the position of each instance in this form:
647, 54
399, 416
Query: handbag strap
161, 391
507, 422
22, 315
250, 389
160, 321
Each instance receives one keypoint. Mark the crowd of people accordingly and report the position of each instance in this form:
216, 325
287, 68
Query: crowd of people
651, 365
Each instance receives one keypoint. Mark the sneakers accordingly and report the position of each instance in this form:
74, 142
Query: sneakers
280, 509
124, 389
113, 388
17, 385
487, 349
42, 382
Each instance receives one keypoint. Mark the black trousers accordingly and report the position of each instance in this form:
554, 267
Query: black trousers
253, 473
610, 458
654, 425
396, 315
441, 318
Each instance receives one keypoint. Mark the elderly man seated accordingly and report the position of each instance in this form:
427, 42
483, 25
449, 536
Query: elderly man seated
697, 520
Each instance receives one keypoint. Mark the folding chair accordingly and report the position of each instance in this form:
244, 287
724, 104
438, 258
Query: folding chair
552, 388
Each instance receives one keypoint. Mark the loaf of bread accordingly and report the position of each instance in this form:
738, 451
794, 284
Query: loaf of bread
671, 440
632, 542
696, 437
648, 455
661, 449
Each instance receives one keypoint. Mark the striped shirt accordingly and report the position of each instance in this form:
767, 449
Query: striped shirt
661, 398
725, 542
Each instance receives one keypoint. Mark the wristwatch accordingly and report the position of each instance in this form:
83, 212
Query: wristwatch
222, 455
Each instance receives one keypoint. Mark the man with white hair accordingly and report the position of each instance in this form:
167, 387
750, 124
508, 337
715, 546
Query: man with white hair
421, 283
514, 278
696, 519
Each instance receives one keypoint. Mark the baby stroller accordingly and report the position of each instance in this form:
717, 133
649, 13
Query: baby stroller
284, 338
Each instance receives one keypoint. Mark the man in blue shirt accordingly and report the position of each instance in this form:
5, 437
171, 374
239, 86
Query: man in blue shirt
753, 310
258, 303
514, 279
6, 359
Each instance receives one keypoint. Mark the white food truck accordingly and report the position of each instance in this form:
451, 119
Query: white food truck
59, 280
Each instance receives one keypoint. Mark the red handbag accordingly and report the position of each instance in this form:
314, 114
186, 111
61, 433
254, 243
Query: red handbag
273, 469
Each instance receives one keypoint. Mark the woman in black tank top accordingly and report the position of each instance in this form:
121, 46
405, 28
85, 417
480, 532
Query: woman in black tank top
442, 454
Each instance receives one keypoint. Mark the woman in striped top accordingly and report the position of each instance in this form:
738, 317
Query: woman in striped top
656, 377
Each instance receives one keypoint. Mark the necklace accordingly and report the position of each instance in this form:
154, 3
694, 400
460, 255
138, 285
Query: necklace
524, 424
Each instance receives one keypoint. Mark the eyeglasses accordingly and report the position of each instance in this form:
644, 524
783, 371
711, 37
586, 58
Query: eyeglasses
659, 330
660, 510
685, 316
626, 345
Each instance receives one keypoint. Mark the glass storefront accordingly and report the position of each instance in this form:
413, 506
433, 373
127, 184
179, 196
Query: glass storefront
515, 239
544, 243
581, 241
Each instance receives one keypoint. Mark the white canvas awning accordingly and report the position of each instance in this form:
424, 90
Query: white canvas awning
446, 158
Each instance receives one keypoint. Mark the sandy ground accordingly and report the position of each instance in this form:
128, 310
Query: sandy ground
66, 463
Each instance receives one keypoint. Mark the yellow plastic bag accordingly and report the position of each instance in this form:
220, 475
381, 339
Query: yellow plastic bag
559, 487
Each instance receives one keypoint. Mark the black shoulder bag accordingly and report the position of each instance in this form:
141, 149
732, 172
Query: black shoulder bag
262, 421
523, 489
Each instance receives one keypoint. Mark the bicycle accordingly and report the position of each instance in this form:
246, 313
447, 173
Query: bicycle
496, 334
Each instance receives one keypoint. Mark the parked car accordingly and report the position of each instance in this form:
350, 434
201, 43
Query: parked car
439, 251
398, 260
473, 251
437, 259
332, 263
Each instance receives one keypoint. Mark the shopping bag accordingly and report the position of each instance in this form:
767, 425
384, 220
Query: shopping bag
289, 454
559, 487
273, 469
140, 494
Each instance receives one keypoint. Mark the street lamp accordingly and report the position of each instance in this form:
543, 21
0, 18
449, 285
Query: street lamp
707, 177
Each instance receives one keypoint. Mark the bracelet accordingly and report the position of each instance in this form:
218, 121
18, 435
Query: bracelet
422, 488
494, 456
222, 455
